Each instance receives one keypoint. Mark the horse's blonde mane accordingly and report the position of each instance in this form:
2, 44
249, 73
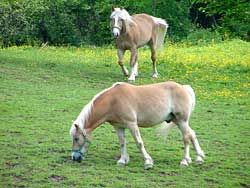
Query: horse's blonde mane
86, 111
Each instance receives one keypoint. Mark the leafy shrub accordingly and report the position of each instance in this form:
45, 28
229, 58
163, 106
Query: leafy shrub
76, 22
203, 36
233, 16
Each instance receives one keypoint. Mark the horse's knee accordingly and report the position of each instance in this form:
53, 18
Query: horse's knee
186, 138
153, 58
120, 63
140, 145
192, 135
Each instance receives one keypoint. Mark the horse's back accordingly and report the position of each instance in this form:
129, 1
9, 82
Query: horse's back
143, 29
148, 104
142, 17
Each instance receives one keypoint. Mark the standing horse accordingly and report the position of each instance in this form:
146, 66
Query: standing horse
127, 106
132, 32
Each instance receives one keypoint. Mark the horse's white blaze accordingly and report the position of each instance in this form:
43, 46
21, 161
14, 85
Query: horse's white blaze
116, 28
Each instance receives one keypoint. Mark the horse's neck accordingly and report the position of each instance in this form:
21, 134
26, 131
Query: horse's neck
95, 119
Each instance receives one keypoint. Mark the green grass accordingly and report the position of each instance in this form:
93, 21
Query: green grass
42, 91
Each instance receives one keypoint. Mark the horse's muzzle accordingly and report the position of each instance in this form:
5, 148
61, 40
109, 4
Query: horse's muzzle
76, 156
116, 32
115, 35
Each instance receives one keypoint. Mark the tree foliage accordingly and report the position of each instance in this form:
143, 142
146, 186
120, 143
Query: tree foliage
231, 17
76, 22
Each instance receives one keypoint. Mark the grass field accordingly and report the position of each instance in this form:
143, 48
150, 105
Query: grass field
43, 90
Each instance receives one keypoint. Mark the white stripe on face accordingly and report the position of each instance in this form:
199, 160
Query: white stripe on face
116, 30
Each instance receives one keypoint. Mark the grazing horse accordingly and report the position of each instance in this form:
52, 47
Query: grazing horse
127, 106
132, 32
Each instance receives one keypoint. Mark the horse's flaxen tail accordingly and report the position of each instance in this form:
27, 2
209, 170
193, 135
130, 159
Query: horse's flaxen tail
161, 30
164, 129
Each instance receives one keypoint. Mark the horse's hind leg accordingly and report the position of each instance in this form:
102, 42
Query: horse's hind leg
148, 162
186, 139
124, 155
188, 134
199, 153
120, 54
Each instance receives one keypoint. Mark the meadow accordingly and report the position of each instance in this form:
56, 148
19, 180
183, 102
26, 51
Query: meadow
44, 89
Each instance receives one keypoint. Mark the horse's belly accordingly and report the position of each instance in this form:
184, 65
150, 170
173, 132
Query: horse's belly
151, 118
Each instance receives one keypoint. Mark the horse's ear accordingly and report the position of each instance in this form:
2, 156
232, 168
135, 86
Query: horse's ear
76, 126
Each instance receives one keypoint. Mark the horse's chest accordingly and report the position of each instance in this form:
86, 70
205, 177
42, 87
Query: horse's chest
123, 44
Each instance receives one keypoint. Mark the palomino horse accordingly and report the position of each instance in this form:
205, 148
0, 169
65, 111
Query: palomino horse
128, 106
132, 32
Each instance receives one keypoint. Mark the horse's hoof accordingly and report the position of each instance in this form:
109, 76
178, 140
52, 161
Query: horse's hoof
155, 76
189, 160
148, 166
121, 163
199, 160
184, 163
131, 80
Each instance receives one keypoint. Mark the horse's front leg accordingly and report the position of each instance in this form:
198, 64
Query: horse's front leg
153, 58
120, 54
137, 136
133, 64
124, 155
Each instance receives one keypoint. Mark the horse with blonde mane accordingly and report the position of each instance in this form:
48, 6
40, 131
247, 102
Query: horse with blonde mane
127, 106
132, 32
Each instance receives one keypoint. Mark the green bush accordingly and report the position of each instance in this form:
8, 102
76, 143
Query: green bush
76, 22
233, 16
80, 21
203, 36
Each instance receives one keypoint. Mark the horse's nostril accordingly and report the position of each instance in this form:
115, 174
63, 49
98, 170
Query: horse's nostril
77, 157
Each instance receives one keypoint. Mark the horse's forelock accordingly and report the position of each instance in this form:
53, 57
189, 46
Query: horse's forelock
121, 13
124, 15
72, 131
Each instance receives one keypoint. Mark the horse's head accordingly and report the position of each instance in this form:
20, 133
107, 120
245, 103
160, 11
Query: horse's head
116, 21
80, 142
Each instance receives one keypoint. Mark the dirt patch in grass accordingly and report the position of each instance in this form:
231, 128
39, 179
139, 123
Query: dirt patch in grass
167, 174
57, 178
10, 165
